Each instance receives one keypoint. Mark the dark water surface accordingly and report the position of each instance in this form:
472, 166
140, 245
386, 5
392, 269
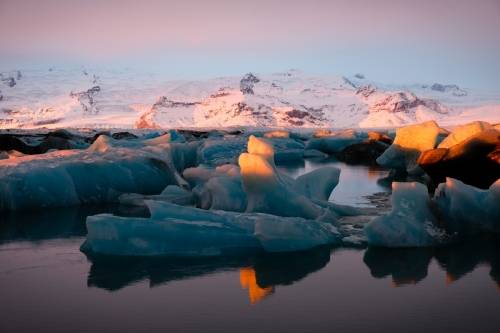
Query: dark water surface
48, 285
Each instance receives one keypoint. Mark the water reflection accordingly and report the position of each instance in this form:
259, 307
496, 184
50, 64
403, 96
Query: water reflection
409, 266
355, 184
405, 266
55, 223
248, 280
259, 273
461, 259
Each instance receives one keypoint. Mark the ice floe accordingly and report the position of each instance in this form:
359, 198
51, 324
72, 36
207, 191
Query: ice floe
466, 209
409, 143
411, 222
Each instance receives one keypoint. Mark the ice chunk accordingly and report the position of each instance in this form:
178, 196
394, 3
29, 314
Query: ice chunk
172, 193
217, 188
218, 151
336, 142
185, 231
222, 192
97, 175
313, 153
467, 209
113, 235
293, 234
463, 132
410, 223
289, 156
472, 160
409, 143
267, 193
282, 150
318, 184
261, 147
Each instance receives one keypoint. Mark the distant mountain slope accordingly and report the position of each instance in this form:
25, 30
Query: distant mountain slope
125, 99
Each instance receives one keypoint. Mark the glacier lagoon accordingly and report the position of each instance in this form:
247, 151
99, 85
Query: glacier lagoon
48, 284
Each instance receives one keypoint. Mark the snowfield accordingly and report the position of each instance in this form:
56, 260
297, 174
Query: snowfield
80, 98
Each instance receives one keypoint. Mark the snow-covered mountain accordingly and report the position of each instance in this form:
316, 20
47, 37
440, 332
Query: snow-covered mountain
127, 99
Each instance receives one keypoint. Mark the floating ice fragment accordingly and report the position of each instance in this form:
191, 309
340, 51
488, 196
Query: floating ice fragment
411, 222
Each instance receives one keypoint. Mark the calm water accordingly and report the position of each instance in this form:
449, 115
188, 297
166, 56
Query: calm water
47, 284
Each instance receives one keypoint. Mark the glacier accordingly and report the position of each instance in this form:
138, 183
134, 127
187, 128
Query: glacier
128, 98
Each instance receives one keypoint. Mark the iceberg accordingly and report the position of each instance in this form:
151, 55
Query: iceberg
128, 236
409, 143
267, 190
174, 230
331, 143
222, 193
472, 160
410, 223
217, 188
318, 184
463, 132
97, 175
466, 209
171, 193
218, 151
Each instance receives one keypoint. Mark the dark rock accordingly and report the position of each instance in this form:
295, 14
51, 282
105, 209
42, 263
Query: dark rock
9, 81
123, 135
86, 99
404, 101
359, 76
61, 133
349, 83
54, 142
456, 91
247, 83
14, 142
193, 134
366, 91
362, 153
474, 161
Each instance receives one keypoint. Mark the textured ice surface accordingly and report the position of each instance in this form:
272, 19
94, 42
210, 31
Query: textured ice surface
466, 209
217, 151
318, 184
409, 143
410, 222
171, 193
336, 142
96, 175
185, 231
463, 132
267, 190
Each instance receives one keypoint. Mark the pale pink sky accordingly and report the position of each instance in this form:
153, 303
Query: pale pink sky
106, 30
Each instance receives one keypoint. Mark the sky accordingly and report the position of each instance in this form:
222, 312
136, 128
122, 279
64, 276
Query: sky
391, 41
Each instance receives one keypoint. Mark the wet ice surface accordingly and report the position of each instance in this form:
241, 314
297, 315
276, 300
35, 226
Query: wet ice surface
47, 284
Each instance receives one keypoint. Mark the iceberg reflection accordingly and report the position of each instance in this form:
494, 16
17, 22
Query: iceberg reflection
409, 266
259, 273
